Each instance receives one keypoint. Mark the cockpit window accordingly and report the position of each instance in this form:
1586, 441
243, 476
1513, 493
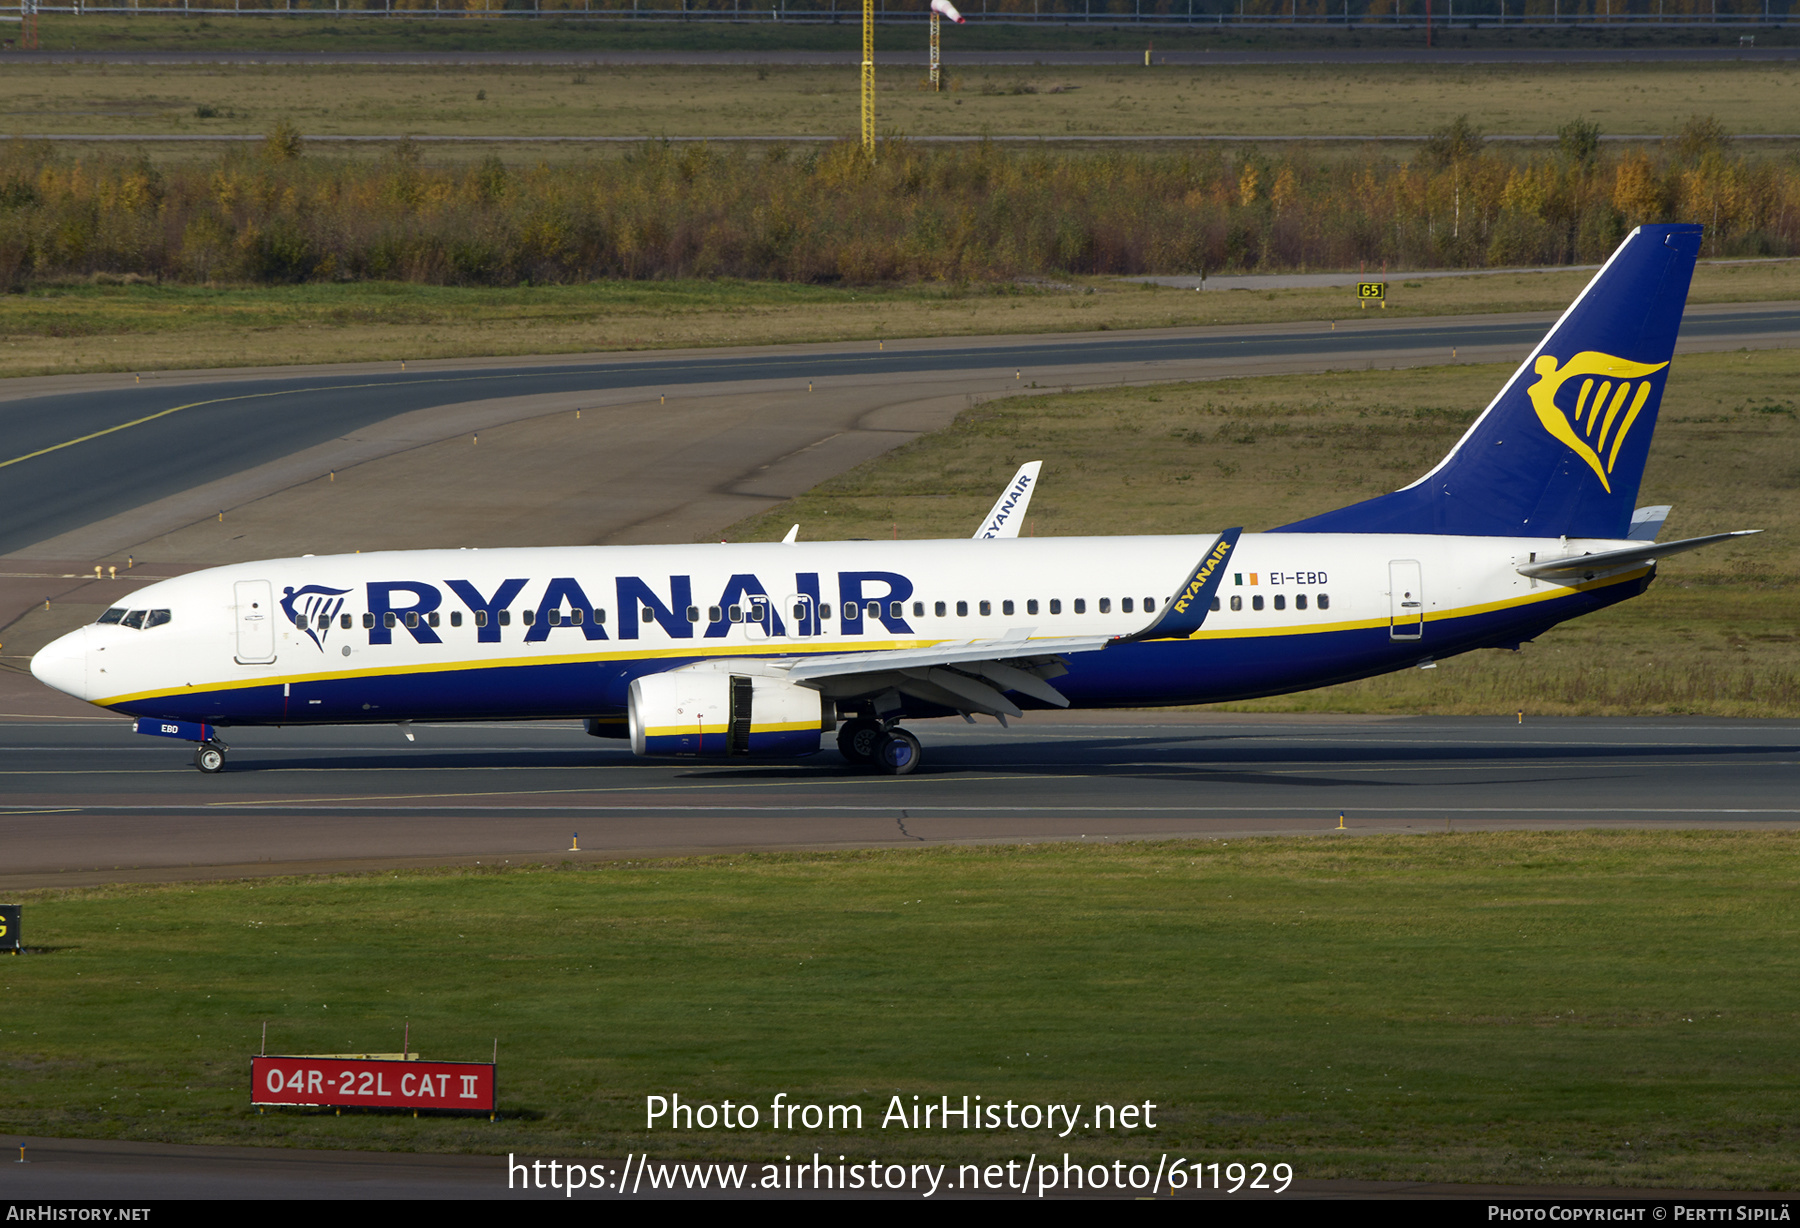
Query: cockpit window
157, 618
134, 620
111, 616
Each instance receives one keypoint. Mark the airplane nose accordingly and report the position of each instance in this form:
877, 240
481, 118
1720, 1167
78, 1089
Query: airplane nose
63, 664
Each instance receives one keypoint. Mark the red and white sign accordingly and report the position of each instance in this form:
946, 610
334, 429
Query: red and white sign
346, 1082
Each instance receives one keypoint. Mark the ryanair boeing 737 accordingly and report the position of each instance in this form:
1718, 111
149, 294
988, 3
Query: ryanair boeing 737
760, 650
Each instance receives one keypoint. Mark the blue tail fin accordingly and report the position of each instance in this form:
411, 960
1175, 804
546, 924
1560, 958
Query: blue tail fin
1561, 450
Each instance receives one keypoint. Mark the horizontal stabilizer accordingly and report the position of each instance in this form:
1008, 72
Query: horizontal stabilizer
1587, 566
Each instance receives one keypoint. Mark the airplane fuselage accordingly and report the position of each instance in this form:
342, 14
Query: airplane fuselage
563, 632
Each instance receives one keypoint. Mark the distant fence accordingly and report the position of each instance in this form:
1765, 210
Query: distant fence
1367, 13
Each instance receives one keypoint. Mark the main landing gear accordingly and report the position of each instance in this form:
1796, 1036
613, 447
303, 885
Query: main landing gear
888, 749
209, 756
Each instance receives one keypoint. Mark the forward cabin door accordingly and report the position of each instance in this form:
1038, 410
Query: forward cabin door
1406, 600
255, 622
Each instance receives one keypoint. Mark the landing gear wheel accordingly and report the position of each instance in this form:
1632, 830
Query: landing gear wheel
209, 757
898, 753
859, 739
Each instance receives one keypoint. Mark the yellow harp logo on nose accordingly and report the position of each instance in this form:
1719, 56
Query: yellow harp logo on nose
1606, 385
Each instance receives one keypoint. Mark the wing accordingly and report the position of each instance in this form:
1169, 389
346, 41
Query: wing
967, 675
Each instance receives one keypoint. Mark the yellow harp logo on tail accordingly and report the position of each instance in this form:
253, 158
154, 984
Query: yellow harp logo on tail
1588, 428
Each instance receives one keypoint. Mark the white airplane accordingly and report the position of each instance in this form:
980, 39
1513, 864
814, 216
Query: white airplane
760, 650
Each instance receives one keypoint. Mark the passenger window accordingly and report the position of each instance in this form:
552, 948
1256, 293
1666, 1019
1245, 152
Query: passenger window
1300, 601
850, 610
737, 613
962, 609
1006, 607
134, 620
939, 609
111, 616
156, 619
1149, 605
553, 617
872, 609
527, 617
1125, 605
1056, 605
1280, 601
1081, 605
799, 611
368, 620
918, 609
1215, 605
388, 620
1256, 602
432, 618
713, 614
693, 613
599, 616
505, 618
1237, 603
1106, 605
574, 618
456, 618
345, 622
481, 618
987, 608
824, 611
1031, 605
412, 618
1324, 601
758, 611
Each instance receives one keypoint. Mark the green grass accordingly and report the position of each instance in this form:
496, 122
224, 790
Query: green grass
1583, 1007
125, 324
1716, 634
799, 100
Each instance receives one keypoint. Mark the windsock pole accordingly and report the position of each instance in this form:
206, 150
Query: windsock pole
868, 79
934, 51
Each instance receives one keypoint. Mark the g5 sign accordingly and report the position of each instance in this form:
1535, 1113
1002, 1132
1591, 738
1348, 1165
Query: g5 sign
9, 927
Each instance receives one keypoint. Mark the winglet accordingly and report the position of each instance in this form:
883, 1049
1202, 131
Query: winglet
1647, 522
1183, 613
793, 535
1008, 513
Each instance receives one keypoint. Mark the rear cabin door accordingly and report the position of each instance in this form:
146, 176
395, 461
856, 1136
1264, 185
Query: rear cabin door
255, 623
1406, 600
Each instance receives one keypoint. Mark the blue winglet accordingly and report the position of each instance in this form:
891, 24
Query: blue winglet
1188, 608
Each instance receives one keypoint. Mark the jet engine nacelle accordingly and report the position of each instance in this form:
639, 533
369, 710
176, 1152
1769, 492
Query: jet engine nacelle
716, 712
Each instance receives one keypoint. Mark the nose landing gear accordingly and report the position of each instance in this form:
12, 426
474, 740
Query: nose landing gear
890, 750
209, 756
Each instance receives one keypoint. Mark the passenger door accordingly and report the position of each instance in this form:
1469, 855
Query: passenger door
255, 622
1406, 600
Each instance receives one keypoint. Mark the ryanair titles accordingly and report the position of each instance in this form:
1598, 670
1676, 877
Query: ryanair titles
624, 607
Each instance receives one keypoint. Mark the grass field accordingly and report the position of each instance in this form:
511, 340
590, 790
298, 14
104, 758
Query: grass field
109, 325
1602, 1008
1719, 633
787, 100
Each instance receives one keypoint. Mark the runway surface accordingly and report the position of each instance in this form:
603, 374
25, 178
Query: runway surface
91, 802
73, 458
